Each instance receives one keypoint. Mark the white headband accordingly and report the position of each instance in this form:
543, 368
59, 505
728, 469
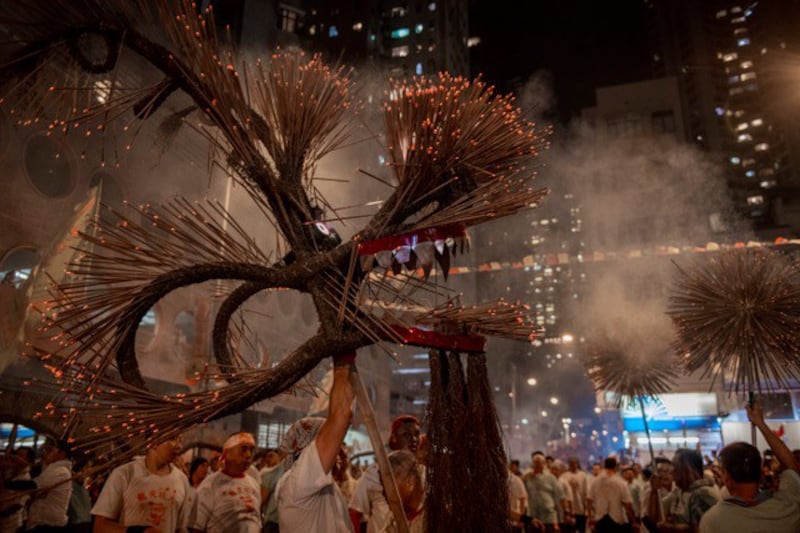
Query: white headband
237, 439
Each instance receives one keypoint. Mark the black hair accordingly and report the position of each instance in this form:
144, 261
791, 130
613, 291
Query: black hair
689, 458
741, 462
610, 463
197, 462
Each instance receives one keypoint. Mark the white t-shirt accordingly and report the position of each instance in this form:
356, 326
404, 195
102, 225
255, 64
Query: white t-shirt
134, 496
779, 513
608, 493
517, 495
367, 486
50, 508
578, 485
309, 499
382, 520
228, 504
566, 494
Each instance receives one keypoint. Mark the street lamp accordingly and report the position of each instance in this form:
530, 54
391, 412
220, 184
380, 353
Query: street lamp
532, 382
554, 400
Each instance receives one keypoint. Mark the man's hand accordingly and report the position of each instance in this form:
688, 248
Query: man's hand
755, 413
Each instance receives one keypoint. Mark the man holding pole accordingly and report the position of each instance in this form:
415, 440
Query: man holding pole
308, 497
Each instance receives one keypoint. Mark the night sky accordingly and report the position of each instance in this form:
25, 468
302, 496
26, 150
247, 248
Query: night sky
582, 44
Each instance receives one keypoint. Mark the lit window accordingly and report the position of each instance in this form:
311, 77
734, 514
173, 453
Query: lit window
741, 127
735, 160
738, 113
431, 47
418, 69
768, 184
740, 31
727, 58
719, 111
744, 137
289, 19
333, 32
736, 90
419, 28
473, 41
372, 37
766, 172
738, 20
751, 87
755, 200
102, 90
400, 51
398, 11
721, 13
432, 6
746, 64
750, 173
400, 33
761, 147
748, 162
312, 30
358, 26
744, 41
748, 76
756, 122
736, 9
733, 79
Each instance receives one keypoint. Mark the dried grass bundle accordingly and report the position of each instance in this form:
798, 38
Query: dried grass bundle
737, 317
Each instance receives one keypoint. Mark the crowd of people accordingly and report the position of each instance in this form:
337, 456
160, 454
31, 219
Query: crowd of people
308, 485
733, 491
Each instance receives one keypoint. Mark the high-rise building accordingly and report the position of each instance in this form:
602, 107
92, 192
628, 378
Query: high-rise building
731, 59
404, 38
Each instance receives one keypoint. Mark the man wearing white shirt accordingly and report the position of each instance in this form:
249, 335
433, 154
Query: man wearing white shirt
48, 509
609, 506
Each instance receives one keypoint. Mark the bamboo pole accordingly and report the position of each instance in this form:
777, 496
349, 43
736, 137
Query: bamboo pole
647, 430
381, 458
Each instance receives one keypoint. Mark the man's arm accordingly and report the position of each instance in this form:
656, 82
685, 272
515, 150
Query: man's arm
331, 434
782, 452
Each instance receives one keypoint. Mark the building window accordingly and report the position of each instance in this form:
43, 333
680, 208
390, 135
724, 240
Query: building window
721, 13
744, 137
399, 11
419, 28
757, 199
333, 32
289, 19
736, 90
400, 51
740, 31
768, 184
663, 121
727, 58
358, 26
744, 41
432, 6
400, 33
761, 147
418, 69
750, 174
746, 64
756, 122
748, 76
312, 30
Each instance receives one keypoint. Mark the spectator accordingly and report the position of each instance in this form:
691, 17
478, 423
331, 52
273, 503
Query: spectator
609, 506
270, 474
48, 509
148, 494
543, 493
198, 471
404, 435
749, 510
576, 479
229, 501
564, 504
517, 497
411, 491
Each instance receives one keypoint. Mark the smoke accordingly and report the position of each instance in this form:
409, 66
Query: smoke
536, 97
634, 192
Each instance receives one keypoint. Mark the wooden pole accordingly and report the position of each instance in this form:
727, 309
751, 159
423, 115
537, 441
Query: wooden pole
647, 430
381, 458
